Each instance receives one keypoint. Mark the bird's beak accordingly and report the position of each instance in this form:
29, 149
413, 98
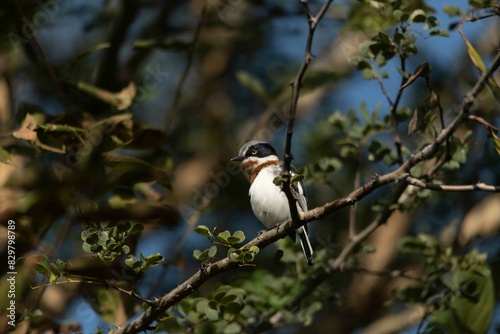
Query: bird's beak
238, 158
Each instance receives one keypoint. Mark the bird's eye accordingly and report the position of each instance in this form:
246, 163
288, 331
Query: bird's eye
254, 152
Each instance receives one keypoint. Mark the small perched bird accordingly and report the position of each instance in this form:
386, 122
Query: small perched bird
269, 203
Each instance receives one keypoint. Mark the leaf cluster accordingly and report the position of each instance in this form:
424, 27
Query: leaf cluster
242, 255
457, 290
107, 240
143, 263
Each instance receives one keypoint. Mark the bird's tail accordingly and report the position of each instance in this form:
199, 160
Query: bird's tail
306, 245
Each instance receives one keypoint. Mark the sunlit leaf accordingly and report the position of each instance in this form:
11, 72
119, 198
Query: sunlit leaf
26, 131
496, 140
473, 54
418, 16
5, 157
203, 230
422, 71
452, 11
108, 303
120, 100
165, 44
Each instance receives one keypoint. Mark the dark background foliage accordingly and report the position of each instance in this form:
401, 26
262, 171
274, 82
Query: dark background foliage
118, 120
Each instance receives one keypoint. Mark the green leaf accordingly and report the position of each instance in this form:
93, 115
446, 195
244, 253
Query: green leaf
136, 228
442, 33
378, 150
199, 255
474, 55
496, 140
224, 236
418, 16
369, 74
254, 249
369, 249
452, 11
43, 265
212, 251
236, 238
360, 63
165, 44
132, 262
365, 49
420, 244
297, 178
234, 307
201, 305
170, 324
432, 22
252, 84
211, 314
409, 294
92, 238
86, 248
400, 15
109, 305
119, 202
470, 310
5, 157
153, 260
232, 328
203, 230
125, 249
364, 112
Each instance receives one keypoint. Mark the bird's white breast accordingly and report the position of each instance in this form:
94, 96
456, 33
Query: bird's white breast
269, 203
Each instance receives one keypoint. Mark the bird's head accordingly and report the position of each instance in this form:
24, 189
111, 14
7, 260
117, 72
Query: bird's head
255, 154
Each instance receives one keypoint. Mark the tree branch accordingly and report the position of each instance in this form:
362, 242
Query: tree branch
108, 67
394, 109
480, 186
482, 121
296, 85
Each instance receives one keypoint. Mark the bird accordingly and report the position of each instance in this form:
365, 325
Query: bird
269, 203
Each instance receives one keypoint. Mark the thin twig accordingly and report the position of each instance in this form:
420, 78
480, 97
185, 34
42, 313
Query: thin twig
386, 273
380, 219
43, 58
394, 109
191, 222
352, 211
480, 186
131, 293
178, 91
482, 121
296, 85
